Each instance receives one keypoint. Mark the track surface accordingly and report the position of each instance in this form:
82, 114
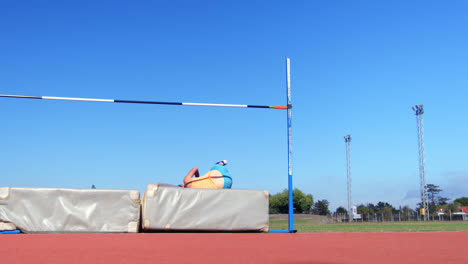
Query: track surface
319, 248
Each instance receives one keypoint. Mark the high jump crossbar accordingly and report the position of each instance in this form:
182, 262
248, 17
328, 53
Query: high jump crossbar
139, 102
287, 107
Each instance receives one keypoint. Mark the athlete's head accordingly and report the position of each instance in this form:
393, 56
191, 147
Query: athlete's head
223, 162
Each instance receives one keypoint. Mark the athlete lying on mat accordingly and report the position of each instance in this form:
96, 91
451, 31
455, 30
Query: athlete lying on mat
217, 178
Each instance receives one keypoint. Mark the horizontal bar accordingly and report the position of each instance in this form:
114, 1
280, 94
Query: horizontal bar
21, 96
140, 102
77, 99
259, 106
145, 102
221, 105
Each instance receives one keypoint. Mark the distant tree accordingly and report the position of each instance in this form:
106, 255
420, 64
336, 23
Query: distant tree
381, 206
434, 198
321, 207
454, 207
341, 210
386, 212
406, 212
442, 200
463, 201
279, 203
371, 207
433, 192
302, 202
363, 210
385, 209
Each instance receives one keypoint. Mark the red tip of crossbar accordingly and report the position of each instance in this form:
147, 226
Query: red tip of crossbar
280, 107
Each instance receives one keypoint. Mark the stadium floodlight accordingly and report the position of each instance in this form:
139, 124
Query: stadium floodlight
348, 170
419, 111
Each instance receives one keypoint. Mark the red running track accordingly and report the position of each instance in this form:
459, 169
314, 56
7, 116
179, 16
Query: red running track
318, 248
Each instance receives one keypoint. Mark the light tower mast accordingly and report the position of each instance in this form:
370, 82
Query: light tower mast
348, 167
419, 110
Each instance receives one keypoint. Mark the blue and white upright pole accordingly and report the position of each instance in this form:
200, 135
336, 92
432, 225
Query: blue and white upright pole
290, 184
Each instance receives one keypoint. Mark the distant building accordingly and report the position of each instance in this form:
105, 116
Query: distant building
441, 212
356, 216
464, 209
463, 213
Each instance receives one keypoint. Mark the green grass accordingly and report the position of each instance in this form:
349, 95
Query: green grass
304, 225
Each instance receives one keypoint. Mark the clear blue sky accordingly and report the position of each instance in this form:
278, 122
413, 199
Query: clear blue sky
356, 67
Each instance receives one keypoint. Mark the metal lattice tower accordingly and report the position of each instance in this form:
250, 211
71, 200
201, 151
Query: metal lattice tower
348, 168
419, 110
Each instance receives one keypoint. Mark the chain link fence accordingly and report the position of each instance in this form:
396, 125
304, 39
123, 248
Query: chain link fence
396, 217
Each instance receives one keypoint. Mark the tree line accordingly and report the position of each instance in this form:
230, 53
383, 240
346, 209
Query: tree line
304, 203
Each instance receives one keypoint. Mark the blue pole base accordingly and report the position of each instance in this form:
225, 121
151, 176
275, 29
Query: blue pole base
282, 231
10, 232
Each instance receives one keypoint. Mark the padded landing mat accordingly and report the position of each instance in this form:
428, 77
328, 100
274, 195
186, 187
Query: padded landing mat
52, 210
174, 208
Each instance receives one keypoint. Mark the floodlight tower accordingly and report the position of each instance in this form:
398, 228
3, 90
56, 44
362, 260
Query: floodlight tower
419, 110
347, 139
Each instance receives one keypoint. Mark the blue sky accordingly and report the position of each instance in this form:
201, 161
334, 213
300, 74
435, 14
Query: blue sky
356, 67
